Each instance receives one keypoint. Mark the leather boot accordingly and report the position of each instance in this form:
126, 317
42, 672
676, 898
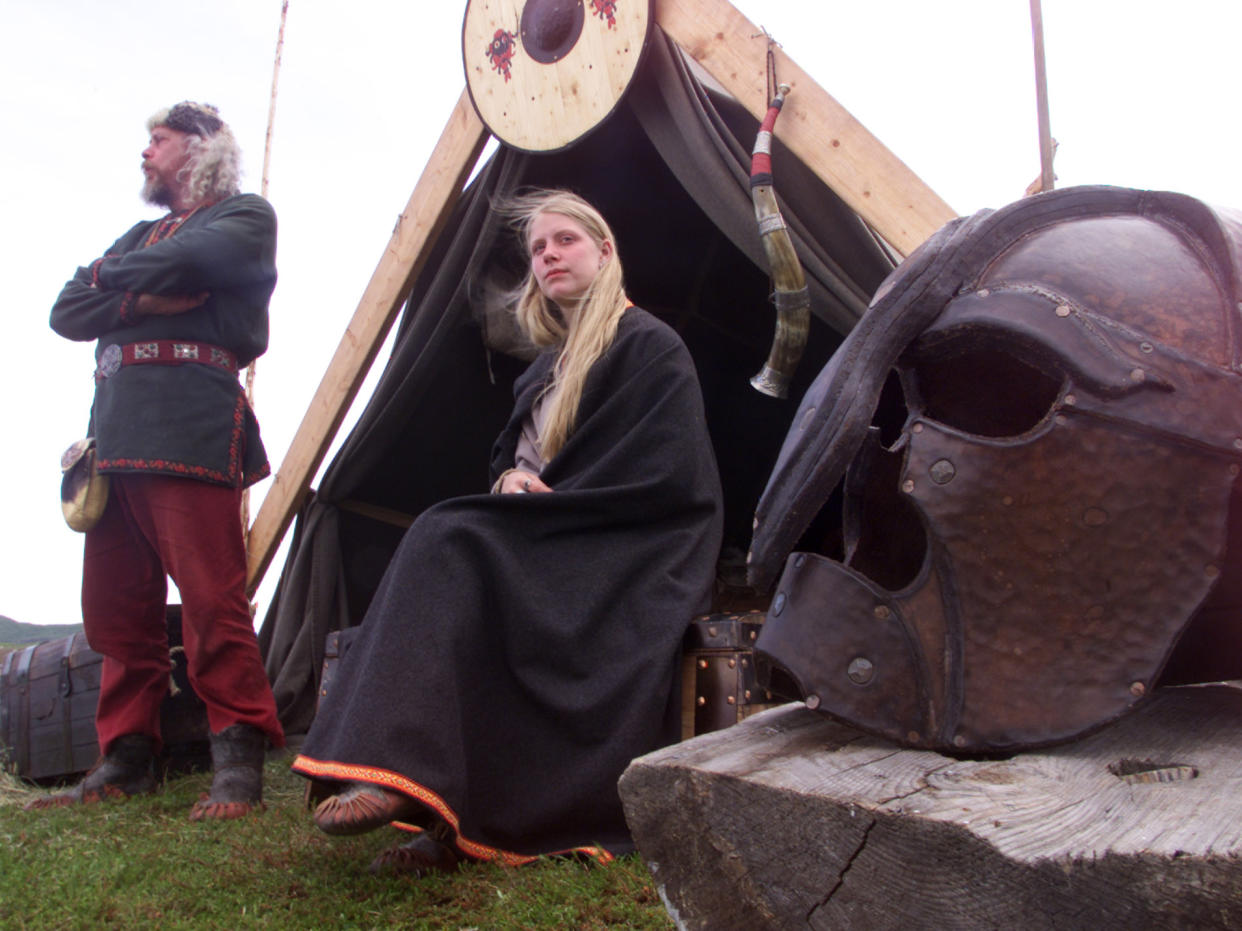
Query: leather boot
125, 770
237, 755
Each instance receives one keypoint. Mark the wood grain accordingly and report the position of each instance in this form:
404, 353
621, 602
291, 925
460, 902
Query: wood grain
790, 820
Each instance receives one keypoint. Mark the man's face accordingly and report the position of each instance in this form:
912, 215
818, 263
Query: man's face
162, 160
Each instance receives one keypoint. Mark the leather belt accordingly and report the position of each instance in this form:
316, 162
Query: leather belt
162, 352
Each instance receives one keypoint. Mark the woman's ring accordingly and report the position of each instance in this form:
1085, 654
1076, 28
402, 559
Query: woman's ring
526, 485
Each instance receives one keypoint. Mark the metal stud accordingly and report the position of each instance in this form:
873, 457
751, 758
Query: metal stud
861, 670
942, 471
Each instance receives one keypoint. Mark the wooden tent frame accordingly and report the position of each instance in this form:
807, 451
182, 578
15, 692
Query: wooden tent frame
877, 185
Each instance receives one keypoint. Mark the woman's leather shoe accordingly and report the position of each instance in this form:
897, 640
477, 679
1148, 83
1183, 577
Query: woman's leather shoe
363, 807
419, 857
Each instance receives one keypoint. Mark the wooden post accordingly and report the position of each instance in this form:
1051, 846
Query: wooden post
418, 227
789, 820
1047, 180
877, 185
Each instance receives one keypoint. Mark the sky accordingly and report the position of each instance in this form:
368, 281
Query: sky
1141, 94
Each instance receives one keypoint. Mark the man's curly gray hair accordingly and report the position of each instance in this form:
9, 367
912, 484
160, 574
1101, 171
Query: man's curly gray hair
214, 169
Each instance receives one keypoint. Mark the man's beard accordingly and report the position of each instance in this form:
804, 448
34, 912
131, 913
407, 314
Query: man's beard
157, 192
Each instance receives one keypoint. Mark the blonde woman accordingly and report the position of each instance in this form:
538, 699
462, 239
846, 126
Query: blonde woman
523, 646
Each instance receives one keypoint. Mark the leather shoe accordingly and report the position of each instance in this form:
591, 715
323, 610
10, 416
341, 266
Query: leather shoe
419, 857
125, 770
363, 807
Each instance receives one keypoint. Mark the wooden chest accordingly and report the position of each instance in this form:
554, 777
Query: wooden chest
48, 695
718, 682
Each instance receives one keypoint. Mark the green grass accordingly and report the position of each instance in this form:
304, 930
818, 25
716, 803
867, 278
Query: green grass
141, 863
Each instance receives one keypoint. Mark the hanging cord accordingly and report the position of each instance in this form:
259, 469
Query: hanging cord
789, 290
267, 161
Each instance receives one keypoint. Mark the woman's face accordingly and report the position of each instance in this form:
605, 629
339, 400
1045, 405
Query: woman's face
564, 258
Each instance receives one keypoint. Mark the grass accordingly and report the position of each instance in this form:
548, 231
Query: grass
141, 863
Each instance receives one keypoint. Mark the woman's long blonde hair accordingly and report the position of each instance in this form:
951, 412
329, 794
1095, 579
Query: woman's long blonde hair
589, 332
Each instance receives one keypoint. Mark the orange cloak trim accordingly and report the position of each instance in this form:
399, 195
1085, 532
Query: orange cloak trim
349, 772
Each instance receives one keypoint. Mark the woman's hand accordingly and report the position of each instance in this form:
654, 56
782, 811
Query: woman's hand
519, 482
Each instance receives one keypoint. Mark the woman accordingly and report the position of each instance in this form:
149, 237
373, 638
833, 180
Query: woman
523, 646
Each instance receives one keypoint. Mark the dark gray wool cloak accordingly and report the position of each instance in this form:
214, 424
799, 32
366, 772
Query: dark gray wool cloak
522, 649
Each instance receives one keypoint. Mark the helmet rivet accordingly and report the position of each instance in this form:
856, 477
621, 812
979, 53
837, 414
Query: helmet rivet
959, 741
1137, 375
778, 604
812, 702
913, 737
942, 471
1138, 689
1063, 310
1145, 346
1237, 443
983, 292
1095, 517
1211, 571
882, 612
908, 485
917, 428
861, 670
1071, 400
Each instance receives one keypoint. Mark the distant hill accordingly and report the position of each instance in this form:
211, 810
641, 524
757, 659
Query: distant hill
15, 632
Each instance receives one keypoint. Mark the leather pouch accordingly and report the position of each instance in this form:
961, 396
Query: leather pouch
83, 491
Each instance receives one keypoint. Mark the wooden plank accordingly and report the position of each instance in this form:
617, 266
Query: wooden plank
876, 184
790, 820
417, 229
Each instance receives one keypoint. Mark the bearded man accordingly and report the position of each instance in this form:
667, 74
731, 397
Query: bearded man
177, 306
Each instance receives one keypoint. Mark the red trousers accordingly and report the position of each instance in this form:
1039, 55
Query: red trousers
154, 527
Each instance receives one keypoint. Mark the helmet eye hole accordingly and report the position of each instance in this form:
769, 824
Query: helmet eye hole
985, 391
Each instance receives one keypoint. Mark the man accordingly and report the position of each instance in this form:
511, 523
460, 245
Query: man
177, 305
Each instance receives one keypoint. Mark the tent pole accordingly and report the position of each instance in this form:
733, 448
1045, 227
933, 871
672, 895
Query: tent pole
874, 182
418, 228
267, 160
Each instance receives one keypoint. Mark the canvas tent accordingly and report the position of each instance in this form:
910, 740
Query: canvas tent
669, 168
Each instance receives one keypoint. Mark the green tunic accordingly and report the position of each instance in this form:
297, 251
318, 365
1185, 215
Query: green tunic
189, 419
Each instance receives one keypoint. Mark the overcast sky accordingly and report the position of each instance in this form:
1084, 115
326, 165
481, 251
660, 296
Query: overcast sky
1142, 94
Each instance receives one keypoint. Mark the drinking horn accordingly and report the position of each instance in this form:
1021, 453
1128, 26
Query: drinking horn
790, 294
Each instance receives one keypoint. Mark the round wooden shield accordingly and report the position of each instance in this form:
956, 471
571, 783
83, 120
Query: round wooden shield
544, 73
